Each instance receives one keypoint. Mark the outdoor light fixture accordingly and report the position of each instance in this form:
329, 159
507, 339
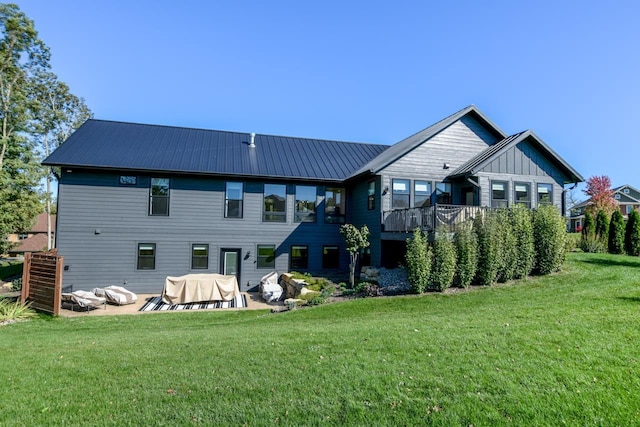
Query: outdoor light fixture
385, 191
446, 166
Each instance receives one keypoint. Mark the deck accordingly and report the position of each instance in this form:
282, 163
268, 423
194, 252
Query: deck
429, 218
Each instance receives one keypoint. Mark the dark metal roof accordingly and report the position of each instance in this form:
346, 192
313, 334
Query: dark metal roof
129, 146
472, 166
401, 148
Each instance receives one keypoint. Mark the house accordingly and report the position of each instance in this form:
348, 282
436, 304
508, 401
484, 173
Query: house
34, 240
137, 202
626, 196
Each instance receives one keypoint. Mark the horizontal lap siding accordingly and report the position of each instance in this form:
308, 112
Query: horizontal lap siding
455, 145
100, 225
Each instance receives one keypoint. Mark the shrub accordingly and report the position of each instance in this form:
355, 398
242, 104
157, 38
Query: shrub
525, 253
418, 260
372, 290
573, 242
589, 225
466, 243
444, 262
488, 248
16, 285
507, 243
602, 225
616, 233
591, 243
632, 234
549, 235
15, 310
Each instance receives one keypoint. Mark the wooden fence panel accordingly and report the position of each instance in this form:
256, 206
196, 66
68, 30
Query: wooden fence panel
42, 281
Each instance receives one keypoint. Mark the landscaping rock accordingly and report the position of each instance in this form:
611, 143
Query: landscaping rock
394, 281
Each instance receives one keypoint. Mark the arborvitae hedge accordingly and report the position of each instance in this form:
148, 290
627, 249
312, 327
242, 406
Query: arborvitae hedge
589, 226
444, 262
418, 260
466, 243
549, 235
488, 248
602, 225
632, 234
525, 257
616, 233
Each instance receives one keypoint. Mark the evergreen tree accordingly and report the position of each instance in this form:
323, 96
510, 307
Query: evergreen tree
589, 226
602, 225
632, 234
616, 233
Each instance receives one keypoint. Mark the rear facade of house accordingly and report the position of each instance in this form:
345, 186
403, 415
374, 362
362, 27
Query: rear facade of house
138, 203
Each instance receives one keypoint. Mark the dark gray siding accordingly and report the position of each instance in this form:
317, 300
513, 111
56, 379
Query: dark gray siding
455, 145
361, 215
100, 225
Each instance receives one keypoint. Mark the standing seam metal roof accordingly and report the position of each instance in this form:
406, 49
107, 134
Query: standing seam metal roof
131, 146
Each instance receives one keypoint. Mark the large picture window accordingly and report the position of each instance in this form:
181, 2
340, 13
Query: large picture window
545, 194
421, 194
499, 194
334, 205
371, 195
305, 203
159, 196
266, 256
199, 256
522, 194
146, 256
400, 193
275, 203
299, 258
233, 200
330, 257
443, 193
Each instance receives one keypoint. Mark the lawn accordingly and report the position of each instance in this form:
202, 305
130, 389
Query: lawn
554, 350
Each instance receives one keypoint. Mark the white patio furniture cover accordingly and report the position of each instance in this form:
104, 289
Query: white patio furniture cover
200, 287
116, 295
269, 287
83, 299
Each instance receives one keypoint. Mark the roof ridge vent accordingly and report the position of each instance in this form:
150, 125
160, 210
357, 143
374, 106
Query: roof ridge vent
252, 144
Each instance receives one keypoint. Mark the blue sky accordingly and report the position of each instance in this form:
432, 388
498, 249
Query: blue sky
370, 71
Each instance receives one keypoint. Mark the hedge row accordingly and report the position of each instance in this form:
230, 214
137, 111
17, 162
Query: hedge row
611, 234
501, 245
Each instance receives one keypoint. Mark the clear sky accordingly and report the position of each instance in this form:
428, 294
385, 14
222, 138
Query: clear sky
370, 71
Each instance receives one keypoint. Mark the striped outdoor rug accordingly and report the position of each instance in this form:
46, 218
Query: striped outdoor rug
156, 304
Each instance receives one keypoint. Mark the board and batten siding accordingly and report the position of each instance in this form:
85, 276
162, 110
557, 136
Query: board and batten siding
101, 223
454, 145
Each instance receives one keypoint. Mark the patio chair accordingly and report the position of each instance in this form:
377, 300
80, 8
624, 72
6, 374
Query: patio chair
116, 295
84, 300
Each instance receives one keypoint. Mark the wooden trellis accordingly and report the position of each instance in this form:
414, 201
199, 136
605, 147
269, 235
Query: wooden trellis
42, 281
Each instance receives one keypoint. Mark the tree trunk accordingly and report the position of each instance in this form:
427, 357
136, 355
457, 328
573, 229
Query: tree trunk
352, 269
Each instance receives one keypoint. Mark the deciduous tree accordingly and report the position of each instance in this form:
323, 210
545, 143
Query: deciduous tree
356, 240
600, 195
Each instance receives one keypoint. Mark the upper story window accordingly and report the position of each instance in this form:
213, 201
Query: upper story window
499, 194
522, 194
625, 191
421, 194
199, 256
146, 256
159, 196
616, 196
443, 193
22, 236
233, 200
275, 203
305, 203
334, 205
400, 193
545, 194
371, 195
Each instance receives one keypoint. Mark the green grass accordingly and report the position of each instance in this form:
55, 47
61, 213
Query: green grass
554, 350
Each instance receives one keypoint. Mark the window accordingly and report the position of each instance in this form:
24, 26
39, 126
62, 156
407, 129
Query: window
499, 194
199, 256
22, 236
305, 203
128, 180
371, 195
421, 194
146, 256
625, 191
299, 259
159, 196
266, 256
233, 197
275, 203
400, 193
334, 205
616, 196
629, 209
545, 194
330, 257
443, 193
522, 195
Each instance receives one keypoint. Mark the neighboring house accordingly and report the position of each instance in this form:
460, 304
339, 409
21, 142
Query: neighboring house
137, 202
34, 240
626, 196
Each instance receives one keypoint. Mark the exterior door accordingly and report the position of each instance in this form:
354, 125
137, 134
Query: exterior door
230, 262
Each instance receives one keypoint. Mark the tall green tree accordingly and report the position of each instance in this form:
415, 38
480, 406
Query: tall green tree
356, 240
55, 113
632, 234
602, 225
616, 233
22, 55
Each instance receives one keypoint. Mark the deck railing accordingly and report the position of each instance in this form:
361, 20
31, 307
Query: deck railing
429, 218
